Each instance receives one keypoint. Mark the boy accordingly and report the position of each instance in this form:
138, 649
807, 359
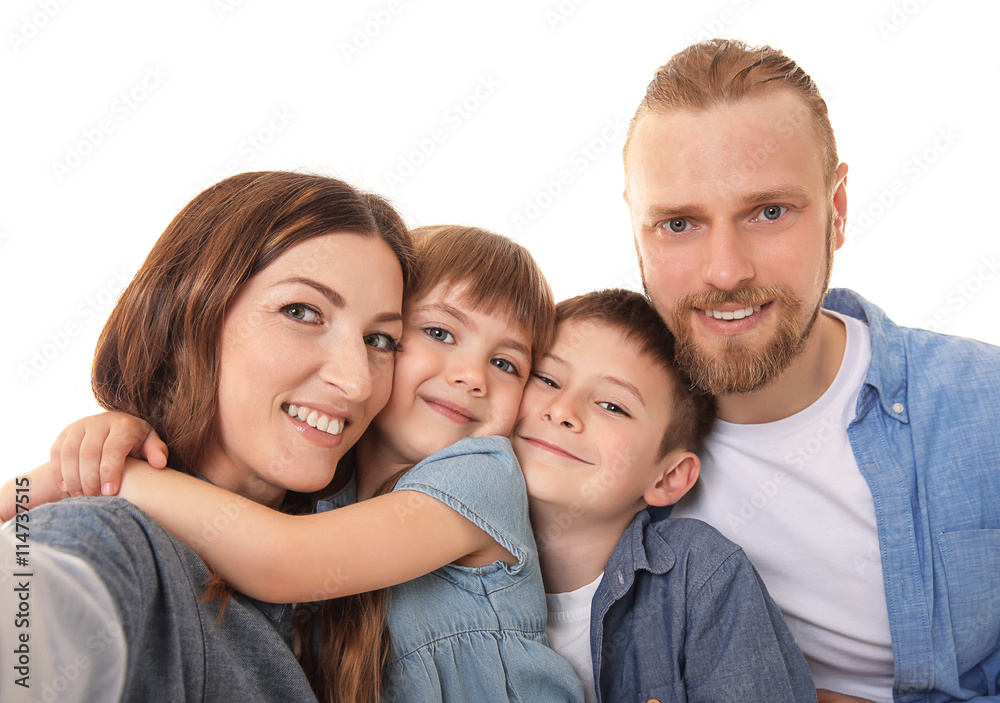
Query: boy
666, 610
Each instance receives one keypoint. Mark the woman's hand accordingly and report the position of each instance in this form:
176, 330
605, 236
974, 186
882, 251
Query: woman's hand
90, 453
825, 696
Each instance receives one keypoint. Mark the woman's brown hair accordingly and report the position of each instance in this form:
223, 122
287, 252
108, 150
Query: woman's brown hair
158, 355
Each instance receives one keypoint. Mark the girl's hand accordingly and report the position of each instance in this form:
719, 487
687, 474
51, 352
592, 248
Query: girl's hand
90, 453
37, 487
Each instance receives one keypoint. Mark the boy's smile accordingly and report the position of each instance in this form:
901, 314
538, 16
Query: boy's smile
460, 373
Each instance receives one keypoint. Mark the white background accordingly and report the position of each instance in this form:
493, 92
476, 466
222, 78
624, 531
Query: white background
115, 114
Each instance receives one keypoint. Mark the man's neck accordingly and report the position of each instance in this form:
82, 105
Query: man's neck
571, 552
801, 384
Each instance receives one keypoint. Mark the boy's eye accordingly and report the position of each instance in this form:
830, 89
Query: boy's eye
301, 312
613, 407
380, 341
505, 366
440, 335
546, 380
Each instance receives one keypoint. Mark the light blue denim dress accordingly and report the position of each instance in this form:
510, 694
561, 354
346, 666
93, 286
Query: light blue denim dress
476, 634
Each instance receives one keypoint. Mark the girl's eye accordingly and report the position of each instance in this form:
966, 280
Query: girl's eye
380, 341
301, 312
676, 225
546, 380
505, 366
440, 335
772, 212
612, 407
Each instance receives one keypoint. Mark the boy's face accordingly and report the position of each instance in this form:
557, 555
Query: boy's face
591, 421
460, 374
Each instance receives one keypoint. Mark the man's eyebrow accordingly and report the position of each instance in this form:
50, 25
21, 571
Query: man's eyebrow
776, 195
333, 296
665, 212
625, 386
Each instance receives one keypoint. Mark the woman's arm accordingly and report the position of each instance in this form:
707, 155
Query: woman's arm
283, 558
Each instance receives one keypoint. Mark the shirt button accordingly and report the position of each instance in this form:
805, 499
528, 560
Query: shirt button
897, 408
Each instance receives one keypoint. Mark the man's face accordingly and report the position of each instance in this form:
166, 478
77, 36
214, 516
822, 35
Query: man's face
735, 230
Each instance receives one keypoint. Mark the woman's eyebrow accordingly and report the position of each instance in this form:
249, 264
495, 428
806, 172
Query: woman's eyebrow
333, 296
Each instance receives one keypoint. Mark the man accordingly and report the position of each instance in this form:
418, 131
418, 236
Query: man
857, 462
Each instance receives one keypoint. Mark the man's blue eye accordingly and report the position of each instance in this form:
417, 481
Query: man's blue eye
773, 212
677, 225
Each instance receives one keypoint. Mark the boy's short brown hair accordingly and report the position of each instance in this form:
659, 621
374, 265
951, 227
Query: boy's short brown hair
632, 314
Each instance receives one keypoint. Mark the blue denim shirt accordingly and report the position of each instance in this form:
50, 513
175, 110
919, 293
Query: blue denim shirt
681, 615
926, 437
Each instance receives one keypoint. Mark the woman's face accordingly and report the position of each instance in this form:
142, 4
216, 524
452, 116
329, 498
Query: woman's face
306, 360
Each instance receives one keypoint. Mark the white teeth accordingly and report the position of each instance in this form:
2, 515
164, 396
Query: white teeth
314, 418
733, 314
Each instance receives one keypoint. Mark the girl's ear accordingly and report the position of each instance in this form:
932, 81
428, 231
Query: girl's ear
677, 473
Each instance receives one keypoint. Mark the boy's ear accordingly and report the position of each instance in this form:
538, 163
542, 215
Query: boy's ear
678, 472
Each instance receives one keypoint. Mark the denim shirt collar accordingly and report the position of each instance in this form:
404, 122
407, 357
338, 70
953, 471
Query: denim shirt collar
640, 548
886, 379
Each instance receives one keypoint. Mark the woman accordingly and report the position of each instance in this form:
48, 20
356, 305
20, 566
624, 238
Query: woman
267, 290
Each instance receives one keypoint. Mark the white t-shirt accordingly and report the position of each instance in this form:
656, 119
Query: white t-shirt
568, 628
791, 494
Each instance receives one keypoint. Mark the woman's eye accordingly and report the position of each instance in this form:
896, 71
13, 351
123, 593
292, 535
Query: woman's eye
612, 407
440, 335
772, 212
381, 342
505, 366
676, 225
546, 380
301, 313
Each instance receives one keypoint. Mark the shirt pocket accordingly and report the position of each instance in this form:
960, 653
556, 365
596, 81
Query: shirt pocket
972, 571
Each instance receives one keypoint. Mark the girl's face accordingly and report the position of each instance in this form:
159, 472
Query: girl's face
460, 374
306, 359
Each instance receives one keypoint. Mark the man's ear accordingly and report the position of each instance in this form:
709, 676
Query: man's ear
678, 472
840, 204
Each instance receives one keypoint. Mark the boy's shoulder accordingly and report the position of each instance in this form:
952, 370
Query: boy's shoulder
686, 550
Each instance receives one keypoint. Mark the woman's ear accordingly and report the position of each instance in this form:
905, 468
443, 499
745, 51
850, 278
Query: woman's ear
678, 471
